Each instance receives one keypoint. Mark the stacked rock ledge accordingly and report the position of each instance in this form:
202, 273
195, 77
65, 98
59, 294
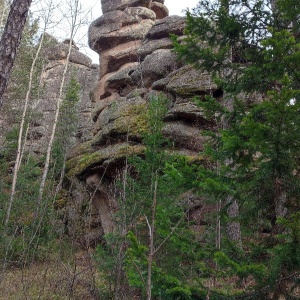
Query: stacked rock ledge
137, 63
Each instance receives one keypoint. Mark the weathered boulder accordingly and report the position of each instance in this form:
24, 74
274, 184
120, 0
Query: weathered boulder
114, 58
189, 81
43, 108
85, 73
150, 46
157, 6
184, 136
155, 66
187, 111
140, 13
88, 219
116, 28
95, 161
100, 105
100, 91
89, 214
60, 51
121, 120
119, 82
166, 26
111, 5
141, 92
137, 63
160, 10
122, 77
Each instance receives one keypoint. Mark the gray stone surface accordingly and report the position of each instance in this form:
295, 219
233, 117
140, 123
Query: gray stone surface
188, 81
121, 120
160, 10
140, 13
60, 51
111, 5
155, 66
123, 76
137, 63
150, 46
184, 135
115, 28
166, 26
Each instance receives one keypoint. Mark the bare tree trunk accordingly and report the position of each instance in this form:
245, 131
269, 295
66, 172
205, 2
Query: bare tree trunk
58, 105
10, 40
233, 228
280, 209
218, 225
279, 206
151, 243
20, 142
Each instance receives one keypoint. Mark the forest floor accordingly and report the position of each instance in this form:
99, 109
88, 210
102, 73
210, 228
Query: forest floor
52, 280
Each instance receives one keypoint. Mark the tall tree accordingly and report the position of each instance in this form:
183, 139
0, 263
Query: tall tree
252, 51
75, 7
21, 137
158, 248
10, 40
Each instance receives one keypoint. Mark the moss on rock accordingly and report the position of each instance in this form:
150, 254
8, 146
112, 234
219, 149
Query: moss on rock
81, 164
81, 149
128, 118
134, 119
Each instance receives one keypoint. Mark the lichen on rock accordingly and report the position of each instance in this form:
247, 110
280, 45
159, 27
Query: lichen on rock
81, 165
125, 118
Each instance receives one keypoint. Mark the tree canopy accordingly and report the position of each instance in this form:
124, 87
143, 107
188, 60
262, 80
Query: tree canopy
252, 50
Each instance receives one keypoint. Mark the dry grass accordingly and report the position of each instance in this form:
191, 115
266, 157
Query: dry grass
52, 280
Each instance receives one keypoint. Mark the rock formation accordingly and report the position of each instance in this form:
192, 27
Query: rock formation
81, 68
132, 38
43, 108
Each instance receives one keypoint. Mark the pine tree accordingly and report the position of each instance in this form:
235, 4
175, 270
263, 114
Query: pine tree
252, 49
151, 227
10, 40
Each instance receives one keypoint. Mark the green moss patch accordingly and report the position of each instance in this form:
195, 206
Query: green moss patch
81, 164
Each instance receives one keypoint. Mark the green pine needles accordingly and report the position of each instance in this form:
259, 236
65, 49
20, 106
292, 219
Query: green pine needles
152, 232
251, 48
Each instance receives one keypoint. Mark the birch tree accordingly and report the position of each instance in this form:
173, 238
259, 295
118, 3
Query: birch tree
75, 22
21, 138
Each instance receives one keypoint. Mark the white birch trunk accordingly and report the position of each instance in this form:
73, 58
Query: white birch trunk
58, 106
22, 125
